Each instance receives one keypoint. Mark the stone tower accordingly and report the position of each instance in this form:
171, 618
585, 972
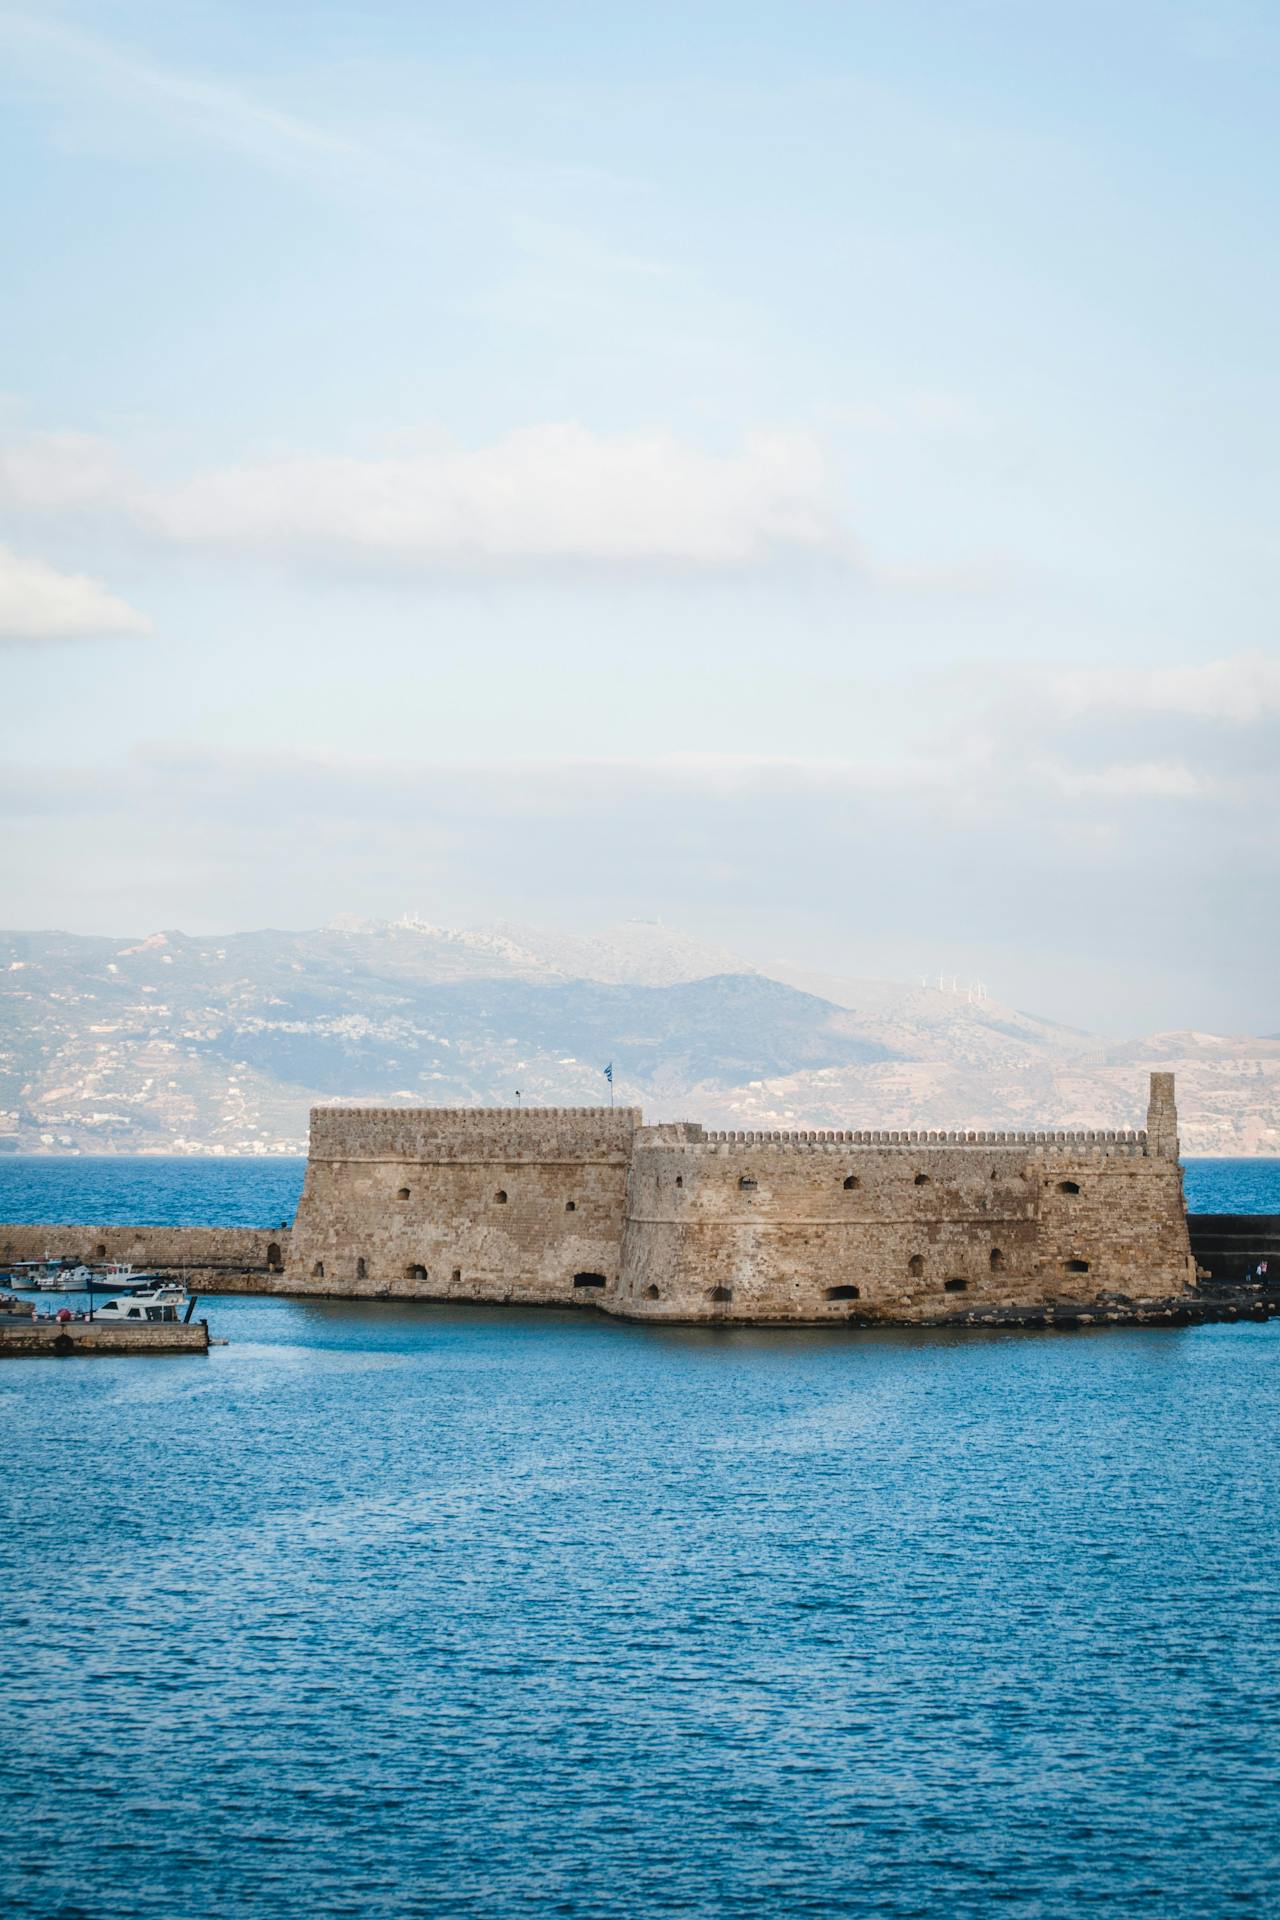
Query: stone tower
1162, 1119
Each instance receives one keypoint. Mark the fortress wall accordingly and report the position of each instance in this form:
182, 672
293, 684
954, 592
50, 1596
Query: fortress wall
674, 1223
465, 1204
214, 1259
764, 1227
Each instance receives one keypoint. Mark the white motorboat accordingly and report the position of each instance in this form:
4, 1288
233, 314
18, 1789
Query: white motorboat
67, 1280
159, 1300
50, 1275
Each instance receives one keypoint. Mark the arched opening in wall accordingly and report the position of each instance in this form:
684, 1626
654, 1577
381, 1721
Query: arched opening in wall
571, 1206
721, 1293
746, 1184
915, 1264
851, 1183
362, 1271
679, 1179
416, 1272
457, 1276
403, 1194
1068, 1186
102, 1251
596, 1280
922, 1180
997, 1260
844, 1293
651, 1293
317, 1272
1076, 1266
274, 1262
955, 1286
500, 1197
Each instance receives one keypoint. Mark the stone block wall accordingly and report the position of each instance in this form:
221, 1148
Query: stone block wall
520, 1204
212, 1259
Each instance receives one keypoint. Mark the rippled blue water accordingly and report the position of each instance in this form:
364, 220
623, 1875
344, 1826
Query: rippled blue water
151, 1190
263, 1192
385, 1610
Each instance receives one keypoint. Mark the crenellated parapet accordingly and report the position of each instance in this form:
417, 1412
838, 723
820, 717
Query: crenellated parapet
461, 1134
1121, 1141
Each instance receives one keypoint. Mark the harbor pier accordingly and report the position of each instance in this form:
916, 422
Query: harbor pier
59, 1339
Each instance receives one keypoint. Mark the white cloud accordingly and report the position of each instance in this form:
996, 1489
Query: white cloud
1132, 780
1241, 689
39, 603
551, 493
544, 493
63, 472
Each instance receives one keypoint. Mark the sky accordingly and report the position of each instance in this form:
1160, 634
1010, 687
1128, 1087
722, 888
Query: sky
803, 472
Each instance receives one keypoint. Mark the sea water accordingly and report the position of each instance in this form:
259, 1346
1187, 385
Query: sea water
385, 1609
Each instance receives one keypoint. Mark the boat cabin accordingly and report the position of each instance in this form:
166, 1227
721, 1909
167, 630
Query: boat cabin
135, 1310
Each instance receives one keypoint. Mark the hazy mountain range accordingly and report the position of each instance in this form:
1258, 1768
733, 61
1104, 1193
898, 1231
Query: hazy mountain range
168, 1043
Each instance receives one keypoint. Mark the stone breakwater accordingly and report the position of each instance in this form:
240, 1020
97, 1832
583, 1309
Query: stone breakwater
210, 1259
32, 1339
589, 1207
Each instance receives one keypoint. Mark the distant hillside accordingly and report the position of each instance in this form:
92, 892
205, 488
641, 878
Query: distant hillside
169, 1043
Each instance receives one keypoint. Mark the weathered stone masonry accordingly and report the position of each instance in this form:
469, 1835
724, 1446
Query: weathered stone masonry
209, 1259
464, 1204
562, 1206
587, 1206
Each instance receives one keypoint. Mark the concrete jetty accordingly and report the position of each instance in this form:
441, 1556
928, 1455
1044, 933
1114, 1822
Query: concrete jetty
65, 1339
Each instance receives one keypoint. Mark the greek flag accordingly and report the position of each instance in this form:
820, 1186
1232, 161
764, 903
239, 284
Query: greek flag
608, 1073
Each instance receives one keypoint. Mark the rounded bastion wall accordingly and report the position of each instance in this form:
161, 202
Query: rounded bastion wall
815, 1230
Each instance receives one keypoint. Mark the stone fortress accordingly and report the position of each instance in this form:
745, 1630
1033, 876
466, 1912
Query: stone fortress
673, 1223
589, 1207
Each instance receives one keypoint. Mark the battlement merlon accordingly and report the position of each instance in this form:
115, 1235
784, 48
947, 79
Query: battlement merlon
1162, 1119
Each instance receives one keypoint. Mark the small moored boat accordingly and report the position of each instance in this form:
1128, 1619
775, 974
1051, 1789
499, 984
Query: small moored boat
158, 1300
